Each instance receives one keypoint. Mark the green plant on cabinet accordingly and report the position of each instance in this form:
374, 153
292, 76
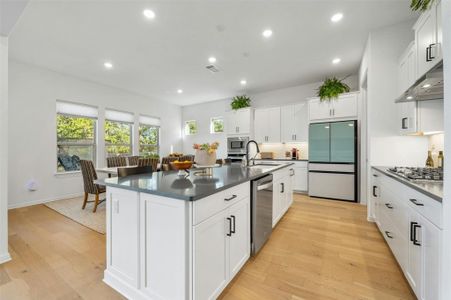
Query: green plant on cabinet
240, 102
332, 88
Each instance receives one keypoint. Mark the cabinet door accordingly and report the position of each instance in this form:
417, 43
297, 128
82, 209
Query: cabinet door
431, 260
345, 106
289, 188
414, 255
260, 125
430, 116
342, 142
231, 123
425, 37
407, 117
243, 120
287, 123
319, 110
319, 142
240, 242
300, 182
210, 242
301, 122
273, 127
276, 202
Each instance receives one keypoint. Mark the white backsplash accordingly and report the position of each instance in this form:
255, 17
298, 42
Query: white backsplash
279, 149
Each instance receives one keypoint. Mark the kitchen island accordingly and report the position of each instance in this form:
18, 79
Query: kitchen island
172, 237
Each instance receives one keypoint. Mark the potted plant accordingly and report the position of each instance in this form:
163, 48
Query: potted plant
205, 153
421, 5
240, 102
332, 88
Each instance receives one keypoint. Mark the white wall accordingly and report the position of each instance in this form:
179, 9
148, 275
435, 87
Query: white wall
32, 128
4, 255
203, 112
446, 235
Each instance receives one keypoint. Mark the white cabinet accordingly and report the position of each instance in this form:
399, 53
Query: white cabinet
428, 38
238, 122
300, 178
282, 194
267, 125
343, 108
221, 247
422, 117
294, 123
407, 74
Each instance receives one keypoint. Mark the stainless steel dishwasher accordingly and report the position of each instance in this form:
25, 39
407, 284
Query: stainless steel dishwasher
261, 212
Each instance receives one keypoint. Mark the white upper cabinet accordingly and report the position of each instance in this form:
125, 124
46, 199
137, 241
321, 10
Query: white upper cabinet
428, 38
294, 123
407, 117
238, 122
343, 108
267, 125
424, 117
407, 71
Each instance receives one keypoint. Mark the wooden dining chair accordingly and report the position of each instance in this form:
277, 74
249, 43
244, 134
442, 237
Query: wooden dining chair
116, 161
186, 157
89, 176
152, 162
122, 172
166, 163
133, 160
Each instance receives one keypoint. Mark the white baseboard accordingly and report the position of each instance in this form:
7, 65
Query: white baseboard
5, 257
42, 201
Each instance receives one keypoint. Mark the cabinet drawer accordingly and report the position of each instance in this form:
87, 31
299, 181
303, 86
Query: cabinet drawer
395, 209
396, 239
206, 207
429, 208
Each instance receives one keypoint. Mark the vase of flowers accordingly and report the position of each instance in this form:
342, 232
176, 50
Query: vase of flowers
205, 153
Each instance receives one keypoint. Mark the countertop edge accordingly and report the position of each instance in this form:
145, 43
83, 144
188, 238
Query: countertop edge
408, 183
282, 159
190, 198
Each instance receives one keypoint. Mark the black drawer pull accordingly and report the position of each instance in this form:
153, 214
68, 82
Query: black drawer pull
374, 191
415, 241
387, 233
230, 227
415, 201
231, 198
389, 205
375, 175
412, 231
233, 226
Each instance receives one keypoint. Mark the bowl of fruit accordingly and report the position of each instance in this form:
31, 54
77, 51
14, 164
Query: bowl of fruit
182, 166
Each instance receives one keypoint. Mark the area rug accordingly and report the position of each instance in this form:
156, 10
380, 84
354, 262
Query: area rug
71, 208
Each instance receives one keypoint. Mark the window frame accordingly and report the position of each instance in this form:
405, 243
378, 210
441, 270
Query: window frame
212, 125
106, 144
94, 144
157, 145
197, 128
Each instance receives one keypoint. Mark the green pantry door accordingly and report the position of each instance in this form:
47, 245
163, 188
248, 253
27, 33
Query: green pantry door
342, 142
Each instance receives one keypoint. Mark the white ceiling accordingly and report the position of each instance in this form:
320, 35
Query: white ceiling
157, 57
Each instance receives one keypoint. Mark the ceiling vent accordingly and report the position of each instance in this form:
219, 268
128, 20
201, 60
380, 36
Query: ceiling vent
212, 68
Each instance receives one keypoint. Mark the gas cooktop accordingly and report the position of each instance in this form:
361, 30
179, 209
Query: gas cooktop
418, 174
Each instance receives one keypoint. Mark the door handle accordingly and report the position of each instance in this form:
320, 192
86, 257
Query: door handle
389, 205
387, 233
230, 227
233, 225
374, 191
427, 54
415, 201
231, 198
432, 57
403, 123
411, 230
414, 227
283, 187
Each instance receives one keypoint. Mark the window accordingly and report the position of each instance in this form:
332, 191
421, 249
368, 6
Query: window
75, 135
190, 127
149, 136
217, 125
118, 133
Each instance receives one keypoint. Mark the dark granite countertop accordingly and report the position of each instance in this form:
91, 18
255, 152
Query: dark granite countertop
282, 159
433, 190
194, 187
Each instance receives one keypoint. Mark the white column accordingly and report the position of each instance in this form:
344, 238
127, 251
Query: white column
4, 254
446, 237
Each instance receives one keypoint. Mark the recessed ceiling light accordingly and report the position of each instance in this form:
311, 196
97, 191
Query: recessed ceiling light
427, 85
212, 60
336, 60
409, 97
337, 17
179, 91
149, 14
243, 82
267, 33
108, 65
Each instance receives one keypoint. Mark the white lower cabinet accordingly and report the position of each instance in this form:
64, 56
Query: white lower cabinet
221, 247
410, 223
282, 194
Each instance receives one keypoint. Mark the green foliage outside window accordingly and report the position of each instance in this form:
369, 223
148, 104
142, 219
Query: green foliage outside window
148, 140
217, 125
190, 127
118, 138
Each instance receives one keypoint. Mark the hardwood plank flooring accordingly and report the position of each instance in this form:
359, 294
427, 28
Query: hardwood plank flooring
320, 250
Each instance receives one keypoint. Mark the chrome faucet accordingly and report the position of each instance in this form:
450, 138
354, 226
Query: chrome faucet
247, 151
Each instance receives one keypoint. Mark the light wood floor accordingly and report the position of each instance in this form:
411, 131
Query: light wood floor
320, 250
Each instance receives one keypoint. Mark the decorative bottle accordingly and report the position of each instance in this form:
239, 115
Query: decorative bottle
429, 160
440, 159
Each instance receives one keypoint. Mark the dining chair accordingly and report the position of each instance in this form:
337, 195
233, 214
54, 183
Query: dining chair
116, 161
166, 163
186, 157
149, 161
133, 160
122, 172
89, 176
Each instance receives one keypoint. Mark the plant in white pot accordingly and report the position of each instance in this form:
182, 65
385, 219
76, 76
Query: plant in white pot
205, 153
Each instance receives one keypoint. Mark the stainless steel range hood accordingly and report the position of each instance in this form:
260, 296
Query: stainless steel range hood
428, 87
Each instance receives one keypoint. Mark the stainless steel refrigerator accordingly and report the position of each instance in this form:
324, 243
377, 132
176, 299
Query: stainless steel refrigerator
333, 160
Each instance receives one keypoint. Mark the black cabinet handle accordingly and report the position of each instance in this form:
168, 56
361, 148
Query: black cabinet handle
428, 51
230, 227
412, 231
389, 205
283, 188
374, 190
431, 57
375, 175
403, 123
233, 226
414, 227
231, 198
415, 201
387, 233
